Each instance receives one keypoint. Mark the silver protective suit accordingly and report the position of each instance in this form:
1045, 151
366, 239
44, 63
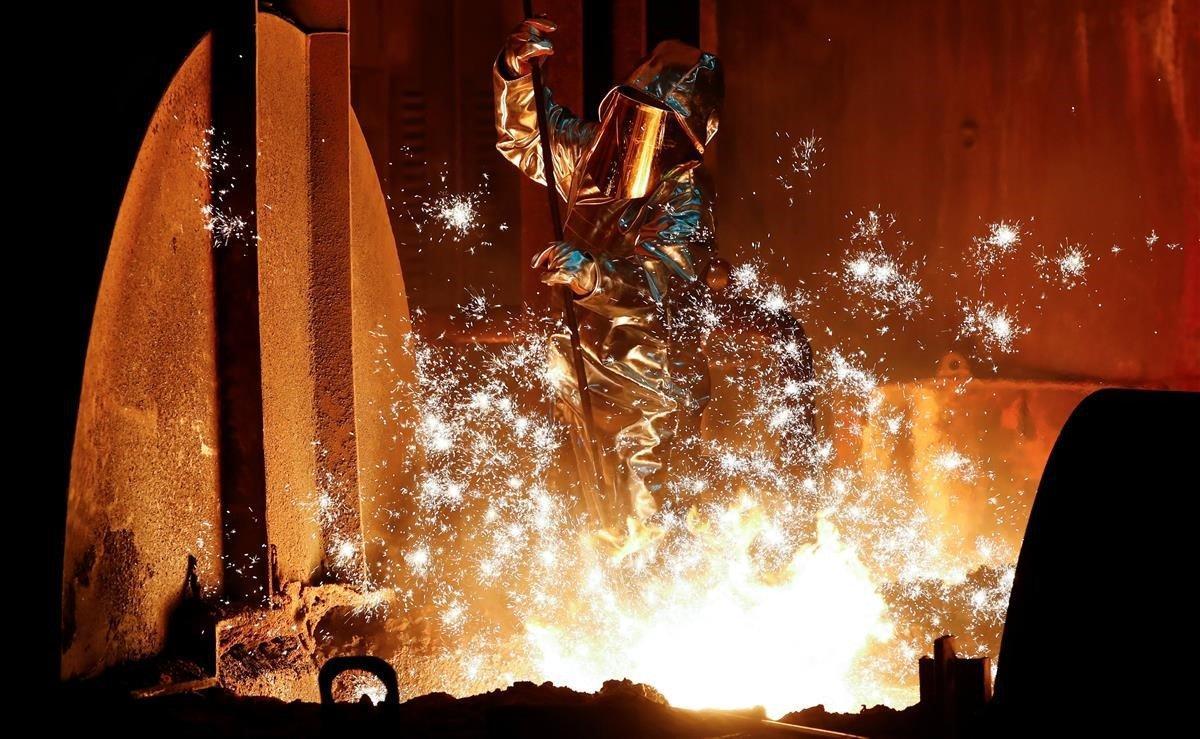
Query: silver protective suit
647, 374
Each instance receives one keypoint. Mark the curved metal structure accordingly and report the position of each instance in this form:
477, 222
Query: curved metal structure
242, 293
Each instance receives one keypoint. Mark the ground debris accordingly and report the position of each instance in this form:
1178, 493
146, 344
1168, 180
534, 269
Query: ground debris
621, 708
877, 722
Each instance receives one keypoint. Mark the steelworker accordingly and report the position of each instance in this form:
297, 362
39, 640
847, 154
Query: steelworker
639, 234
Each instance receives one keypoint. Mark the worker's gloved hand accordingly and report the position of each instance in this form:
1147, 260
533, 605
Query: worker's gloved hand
528, 41
566, 265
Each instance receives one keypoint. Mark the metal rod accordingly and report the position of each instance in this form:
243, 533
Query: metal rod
565, 293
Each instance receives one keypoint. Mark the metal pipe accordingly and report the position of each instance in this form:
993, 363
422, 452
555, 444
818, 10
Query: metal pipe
567, 297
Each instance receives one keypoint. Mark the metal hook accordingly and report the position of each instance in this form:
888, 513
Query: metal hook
374, 665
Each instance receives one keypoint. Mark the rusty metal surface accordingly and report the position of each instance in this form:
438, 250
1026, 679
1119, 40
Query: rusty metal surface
278, 651
384, 369
144, 480
145, 491
1083, 123
289, 413
329, 299
312, 15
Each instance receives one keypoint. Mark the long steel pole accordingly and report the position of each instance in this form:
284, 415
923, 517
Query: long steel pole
567, 296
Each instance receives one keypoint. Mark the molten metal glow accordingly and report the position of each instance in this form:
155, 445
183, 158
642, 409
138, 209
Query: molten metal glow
730, 634
793, 563
773, 575
783, 569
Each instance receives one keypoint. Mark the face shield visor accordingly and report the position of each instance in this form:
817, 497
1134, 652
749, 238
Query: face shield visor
639, 140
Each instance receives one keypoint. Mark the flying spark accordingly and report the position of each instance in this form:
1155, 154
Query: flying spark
457, 214
1067, 268
995, 329
1001, 242
773, 542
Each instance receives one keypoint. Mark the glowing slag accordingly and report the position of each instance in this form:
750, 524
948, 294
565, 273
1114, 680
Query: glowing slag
728, 635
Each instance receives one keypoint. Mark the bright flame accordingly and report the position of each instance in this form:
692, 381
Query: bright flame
730, 635
828, 596
801, 558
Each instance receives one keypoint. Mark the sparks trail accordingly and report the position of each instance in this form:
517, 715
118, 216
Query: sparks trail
1067, 268
752, 532
212, 156
800, 161
440, 215
749, 537
995, 329
993, 250
456, 214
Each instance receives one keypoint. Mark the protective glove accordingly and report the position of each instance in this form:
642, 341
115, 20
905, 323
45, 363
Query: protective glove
566, 265
528, 41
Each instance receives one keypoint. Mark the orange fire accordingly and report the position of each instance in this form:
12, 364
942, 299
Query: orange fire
711, 628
